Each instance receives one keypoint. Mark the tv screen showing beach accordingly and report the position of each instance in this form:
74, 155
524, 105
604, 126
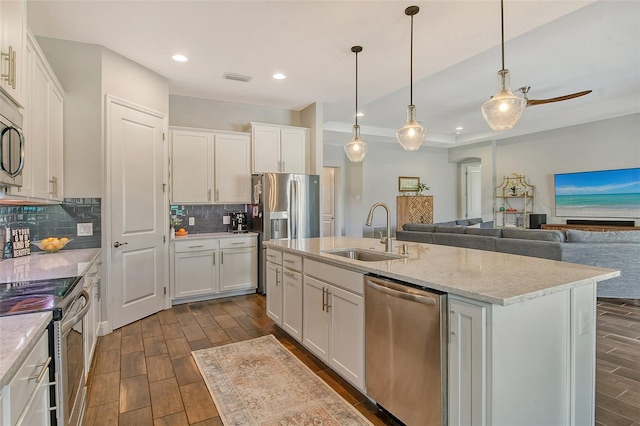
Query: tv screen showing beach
600, 194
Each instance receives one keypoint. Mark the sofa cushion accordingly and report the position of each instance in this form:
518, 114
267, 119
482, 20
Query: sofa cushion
450, 229
417, 236
462, 222
544, 249
421, 227
474, 220
534, 234
574, 236
450, 223
477, 242
486, 232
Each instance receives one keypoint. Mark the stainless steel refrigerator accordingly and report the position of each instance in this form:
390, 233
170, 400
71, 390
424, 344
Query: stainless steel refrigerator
284, 206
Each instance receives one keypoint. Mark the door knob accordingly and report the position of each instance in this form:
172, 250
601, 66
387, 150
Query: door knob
118, 244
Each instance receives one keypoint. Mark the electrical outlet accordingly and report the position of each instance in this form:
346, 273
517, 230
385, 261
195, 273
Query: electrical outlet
84, 229
192, 221
584, 322
226, 220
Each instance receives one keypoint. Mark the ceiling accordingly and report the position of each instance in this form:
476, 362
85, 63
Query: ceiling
556, 47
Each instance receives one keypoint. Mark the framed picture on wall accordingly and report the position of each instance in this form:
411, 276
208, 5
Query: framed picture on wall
408, 183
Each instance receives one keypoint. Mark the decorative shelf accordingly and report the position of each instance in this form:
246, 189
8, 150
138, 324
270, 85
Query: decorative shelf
513, 200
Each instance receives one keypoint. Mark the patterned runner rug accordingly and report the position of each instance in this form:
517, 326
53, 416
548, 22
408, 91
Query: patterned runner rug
259, 382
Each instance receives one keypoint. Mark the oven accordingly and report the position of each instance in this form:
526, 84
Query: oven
69, 303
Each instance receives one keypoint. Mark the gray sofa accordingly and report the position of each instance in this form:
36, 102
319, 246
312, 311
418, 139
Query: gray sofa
613, 250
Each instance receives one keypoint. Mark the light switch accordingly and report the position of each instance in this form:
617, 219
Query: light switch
192, 221
84, 229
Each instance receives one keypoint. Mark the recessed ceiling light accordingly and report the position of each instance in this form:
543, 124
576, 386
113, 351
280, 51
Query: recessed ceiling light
279, 76
459, 128
179, 58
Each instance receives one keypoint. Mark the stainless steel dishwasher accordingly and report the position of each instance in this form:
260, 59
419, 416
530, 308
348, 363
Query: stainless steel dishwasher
405, 352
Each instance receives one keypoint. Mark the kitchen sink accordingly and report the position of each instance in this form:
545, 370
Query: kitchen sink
364, 255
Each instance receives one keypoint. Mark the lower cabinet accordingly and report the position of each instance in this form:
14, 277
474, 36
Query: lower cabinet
25, 400
202, 268
274, 292
92, 318
292, 303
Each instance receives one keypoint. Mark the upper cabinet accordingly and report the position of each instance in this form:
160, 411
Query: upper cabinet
13, 34
279, 149
209, 166
43, 128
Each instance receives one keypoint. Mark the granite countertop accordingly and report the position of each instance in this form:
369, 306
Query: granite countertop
19, 334
497, 278
214, 235
41, 265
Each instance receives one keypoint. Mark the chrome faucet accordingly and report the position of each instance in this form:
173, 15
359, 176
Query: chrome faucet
387, 240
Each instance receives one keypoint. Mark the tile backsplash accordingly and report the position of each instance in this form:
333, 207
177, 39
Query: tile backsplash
57, 220
208, 218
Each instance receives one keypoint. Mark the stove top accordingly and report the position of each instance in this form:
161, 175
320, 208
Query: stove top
33, 296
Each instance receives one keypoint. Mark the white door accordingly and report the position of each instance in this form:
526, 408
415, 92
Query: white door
136, 172
328, 202
472, 191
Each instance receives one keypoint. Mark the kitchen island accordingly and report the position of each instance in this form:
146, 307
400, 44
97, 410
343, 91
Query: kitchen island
519, 332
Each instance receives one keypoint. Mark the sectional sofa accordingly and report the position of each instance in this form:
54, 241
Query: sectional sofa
613, 250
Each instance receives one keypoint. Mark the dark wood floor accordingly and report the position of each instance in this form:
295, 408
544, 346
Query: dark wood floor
144, 374
618, 362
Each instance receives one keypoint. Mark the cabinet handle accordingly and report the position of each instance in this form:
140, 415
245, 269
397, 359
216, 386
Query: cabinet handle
277, 270
242, 243
53, 186
44, 365
209, 195
214, 259
221, 257
289, 274
324, 304
10, 76
328, 305
289, 261
283, 167
217, 194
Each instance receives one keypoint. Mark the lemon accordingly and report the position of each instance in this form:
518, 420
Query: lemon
64, 240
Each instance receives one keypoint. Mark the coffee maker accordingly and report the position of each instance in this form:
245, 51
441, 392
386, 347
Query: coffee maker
239, 222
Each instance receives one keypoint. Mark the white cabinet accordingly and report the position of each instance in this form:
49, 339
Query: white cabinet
43, 127
213, 267
209, 166
25, 399
195, 271
92, 318
292, 295
279, 149
333, 318
274, 292
238, 260
13, 32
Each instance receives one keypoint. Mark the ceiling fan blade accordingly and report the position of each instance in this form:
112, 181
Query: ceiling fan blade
532, 102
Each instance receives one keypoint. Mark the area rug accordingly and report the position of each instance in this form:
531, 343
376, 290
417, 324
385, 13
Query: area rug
259, 382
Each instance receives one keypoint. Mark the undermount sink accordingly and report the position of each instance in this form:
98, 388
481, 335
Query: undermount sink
364, 255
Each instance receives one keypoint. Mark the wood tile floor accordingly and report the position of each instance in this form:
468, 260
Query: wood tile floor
143, 373
618, 362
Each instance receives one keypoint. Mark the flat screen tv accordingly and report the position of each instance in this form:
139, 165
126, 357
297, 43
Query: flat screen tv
598, 194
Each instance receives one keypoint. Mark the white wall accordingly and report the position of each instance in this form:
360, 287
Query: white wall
601, 145
484, 152
209, 114
312, 117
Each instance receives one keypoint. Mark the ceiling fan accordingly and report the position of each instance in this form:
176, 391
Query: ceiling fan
531, 102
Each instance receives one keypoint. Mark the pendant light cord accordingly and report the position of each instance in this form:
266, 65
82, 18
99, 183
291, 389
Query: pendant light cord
356, 88
411, 66
502, 28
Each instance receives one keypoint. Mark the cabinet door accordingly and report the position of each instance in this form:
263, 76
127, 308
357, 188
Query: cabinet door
238, 269
13, 33
274, 292
316, 320
191, 164
467, 363
347, 335
89, 330
266, 149
195, 274
292, 309
39, 129
56, 160
37, 413
232, 168
293, 144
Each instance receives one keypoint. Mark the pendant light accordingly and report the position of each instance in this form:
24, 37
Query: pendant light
504, 109
357, 148
412, 134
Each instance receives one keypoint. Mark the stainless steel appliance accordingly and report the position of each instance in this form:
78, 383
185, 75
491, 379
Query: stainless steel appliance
12, 153
405, 357
69, 303
239, 222
285, 206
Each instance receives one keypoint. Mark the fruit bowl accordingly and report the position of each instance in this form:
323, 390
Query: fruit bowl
52, 244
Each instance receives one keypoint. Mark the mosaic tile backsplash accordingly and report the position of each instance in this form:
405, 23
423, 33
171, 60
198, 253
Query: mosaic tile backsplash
208, 218
57, 220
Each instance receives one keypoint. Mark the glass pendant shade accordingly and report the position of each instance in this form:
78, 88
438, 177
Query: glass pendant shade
412, 134
357, 148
